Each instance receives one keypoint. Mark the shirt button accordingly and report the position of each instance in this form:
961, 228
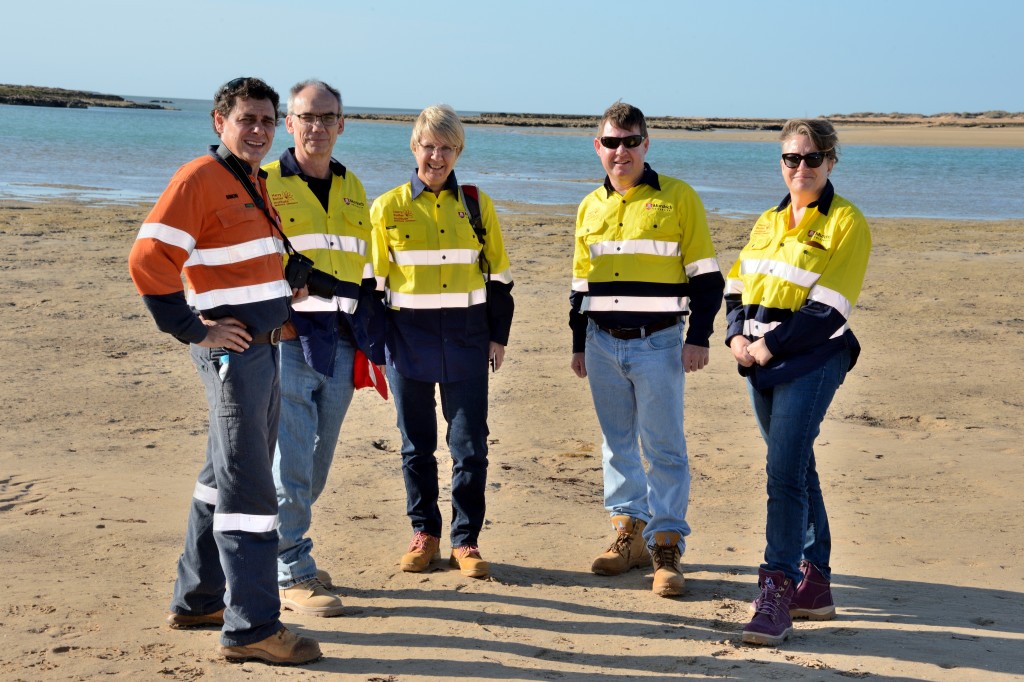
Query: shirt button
442, 231
444, 286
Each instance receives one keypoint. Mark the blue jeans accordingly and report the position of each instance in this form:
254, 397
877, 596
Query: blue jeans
637, 387
231, 541
313, 406
464, 407
789, 416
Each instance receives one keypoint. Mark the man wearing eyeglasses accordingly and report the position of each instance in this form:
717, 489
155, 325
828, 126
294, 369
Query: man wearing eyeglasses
326, 217
213, 224
643, 263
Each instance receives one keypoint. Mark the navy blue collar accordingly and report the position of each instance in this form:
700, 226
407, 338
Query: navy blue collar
290, 165
823, 203
418, 187
648, 177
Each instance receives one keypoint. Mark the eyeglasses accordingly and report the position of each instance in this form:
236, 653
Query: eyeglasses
813, 160
444, 150
630, 141
328, 120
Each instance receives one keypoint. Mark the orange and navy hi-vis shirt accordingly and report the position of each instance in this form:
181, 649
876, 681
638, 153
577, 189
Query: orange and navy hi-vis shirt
206, 226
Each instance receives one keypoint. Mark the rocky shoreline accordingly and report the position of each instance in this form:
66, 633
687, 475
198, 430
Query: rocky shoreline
36, 96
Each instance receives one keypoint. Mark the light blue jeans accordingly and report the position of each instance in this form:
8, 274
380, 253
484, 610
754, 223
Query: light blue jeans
313, 406
789, 416
637, 386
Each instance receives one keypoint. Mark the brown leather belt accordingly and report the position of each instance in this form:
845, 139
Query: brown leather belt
639, 332
272, 337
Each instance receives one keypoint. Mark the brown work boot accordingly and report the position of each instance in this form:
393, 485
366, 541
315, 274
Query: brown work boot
311, 598
283, 648
668, 574
627, 550
181, 621
423, 549
469, 562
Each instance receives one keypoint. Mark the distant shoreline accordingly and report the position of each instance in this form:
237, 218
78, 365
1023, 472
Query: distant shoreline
36, 96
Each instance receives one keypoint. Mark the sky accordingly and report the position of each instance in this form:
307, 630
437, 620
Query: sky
716, 58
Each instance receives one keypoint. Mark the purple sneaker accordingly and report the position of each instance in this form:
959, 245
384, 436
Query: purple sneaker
771, 623
813, 597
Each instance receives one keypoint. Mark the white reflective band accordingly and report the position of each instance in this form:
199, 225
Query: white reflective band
168, 235
242, 295
702, 267
639, 304
790, 273
205, 493
334, 242
580, 284
248, 523
758, 329
504, 276
236, 253
734, 286
367, 270
316, 304
842, 330
648, 247
381, 282
437, 257
438, 301
831, 298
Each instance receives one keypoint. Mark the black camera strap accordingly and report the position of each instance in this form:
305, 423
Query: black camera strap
231, 162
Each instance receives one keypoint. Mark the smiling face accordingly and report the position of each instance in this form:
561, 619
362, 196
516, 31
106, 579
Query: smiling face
805, 183
248, 129
624, 166
435, 160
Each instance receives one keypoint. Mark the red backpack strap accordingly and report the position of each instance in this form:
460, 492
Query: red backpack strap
471, 200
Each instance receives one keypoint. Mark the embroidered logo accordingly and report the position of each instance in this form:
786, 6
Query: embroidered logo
404, 215
284, 198
658, 206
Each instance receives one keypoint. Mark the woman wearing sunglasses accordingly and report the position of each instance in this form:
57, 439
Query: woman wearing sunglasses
788, 300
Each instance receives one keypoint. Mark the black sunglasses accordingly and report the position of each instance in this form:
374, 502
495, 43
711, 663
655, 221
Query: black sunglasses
630, 141
813, 160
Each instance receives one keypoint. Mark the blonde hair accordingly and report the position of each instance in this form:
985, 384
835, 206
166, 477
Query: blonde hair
440, 121
819, 131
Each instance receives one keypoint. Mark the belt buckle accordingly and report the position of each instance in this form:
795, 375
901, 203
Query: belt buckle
274, 337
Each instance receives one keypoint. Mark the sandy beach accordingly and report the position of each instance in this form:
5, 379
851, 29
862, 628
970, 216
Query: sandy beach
104, 432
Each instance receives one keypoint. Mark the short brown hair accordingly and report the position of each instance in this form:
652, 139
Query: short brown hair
820, 131
624, 116
246, 87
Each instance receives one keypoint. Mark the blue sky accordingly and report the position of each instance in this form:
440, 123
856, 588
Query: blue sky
756, 58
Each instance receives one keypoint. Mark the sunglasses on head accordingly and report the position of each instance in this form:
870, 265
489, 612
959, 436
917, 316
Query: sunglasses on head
813, 160
630, 141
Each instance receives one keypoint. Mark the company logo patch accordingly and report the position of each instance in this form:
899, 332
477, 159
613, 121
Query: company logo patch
658, 206
404, 215
284, 198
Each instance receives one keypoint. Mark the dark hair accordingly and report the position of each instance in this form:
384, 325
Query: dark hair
312, 83
624, 116
820, 132
247, 87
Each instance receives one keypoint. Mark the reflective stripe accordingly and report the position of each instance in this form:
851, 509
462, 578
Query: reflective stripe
640, 304
236, 253
248, 523
437, 301
367, 270
580, 284
317, 304
758, 329
205, 493
436, 257
648, 247
702, 267
505, 276
734, 286
833, 298
381, 282
168, 235
241, 295
334, 242
777, 268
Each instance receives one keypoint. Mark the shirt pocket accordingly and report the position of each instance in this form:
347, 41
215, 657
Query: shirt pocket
238, 218
297, 221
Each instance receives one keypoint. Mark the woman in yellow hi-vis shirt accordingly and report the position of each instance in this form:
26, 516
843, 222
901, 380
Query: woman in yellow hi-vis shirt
447, 295
788, 300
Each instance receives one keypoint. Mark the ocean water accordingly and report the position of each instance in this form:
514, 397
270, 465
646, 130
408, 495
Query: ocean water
119, 155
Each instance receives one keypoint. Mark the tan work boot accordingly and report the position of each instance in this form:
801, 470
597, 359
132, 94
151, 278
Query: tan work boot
668, 574
311, 598
627, 550
469, 562
283, 648
180, 621
423, 549
325, 578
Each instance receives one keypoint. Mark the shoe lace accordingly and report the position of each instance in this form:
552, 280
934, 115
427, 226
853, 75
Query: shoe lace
621, 543
767, 603
419, 541
467, 550
665, 556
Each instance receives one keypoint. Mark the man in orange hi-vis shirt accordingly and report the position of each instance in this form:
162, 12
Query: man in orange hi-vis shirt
215, 225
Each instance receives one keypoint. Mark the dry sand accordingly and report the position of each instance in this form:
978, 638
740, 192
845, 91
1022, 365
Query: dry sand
921, 458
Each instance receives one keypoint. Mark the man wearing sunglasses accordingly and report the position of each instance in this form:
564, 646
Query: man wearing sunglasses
643, 263
326, 217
